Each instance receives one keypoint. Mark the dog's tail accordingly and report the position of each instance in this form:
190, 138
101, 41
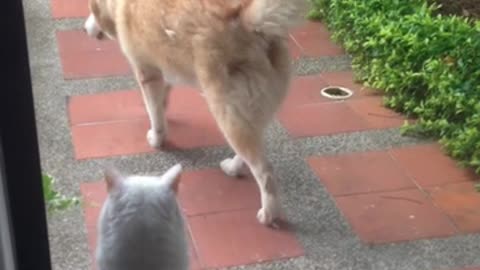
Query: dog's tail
273, 17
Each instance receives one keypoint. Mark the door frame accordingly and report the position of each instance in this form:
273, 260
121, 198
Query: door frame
20, 170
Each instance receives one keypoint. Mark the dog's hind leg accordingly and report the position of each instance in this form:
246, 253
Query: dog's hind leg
155, 94
247, 141
227, 94
248, 146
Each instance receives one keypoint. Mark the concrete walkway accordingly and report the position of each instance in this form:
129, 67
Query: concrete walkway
357, 194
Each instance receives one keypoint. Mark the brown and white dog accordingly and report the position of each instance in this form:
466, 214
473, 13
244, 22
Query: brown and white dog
235, 51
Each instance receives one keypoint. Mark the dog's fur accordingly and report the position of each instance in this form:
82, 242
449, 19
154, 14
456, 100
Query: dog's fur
140, 225
235, 51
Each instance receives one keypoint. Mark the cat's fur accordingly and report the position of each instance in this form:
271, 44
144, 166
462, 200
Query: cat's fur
140, 225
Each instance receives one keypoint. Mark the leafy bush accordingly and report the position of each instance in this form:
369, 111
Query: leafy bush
428, 65
54, 200
318, 9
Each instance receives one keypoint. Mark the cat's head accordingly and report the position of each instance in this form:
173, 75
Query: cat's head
141, 223
128, 190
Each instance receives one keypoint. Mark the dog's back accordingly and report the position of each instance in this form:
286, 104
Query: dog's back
170, 30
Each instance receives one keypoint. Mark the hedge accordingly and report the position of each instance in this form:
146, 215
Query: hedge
428, 65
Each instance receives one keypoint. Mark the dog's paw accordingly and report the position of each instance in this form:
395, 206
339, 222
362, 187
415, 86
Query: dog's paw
269, 214
268, 217
155, 138
231, 168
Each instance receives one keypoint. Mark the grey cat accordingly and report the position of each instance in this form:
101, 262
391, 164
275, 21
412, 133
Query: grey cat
140, 225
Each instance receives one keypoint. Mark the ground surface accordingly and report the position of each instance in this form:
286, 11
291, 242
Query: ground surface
356, 194
468, 8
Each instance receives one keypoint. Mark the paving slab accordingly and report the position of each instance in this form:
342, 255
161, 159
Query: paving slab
65, 9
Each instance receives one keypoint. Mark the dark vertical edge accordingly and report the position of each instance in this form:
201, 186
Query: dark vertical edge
18, 137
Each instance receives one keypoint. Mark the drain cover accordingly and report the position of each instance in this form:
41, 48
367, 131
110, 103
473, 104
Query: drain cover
336, 92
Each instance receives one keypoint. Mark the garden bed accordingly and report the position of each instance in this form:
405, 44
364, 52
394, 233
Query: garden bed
467, 8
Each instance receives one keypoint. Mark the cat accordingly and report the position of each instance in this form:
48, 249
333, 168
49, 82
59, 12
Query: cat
140, 225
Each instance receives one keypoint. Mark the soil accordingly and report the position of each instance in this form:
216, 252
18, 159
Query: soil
466, 8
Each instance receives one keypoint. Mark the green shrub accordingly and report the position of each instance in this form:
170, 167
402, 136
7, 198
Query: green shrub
318, 9
54, 200
428, 65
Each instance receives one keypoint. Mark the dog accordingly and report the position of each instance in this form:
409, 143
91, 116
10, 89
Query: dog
235, 51
140, 224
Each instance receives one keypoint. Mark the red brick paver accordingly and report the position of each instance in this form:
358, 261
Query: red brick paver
394, 216
321, 119
236, 238
86, 57
360, 173
116, 123
106, 107
314, 40
461, 202
221, 216
377, 116
63, 9
429, 166
210, 191
100, 140
402, 194
323, 116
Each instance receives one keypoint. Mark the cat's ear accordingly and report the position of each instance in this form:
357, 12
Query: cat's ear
113, 179
172, 177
